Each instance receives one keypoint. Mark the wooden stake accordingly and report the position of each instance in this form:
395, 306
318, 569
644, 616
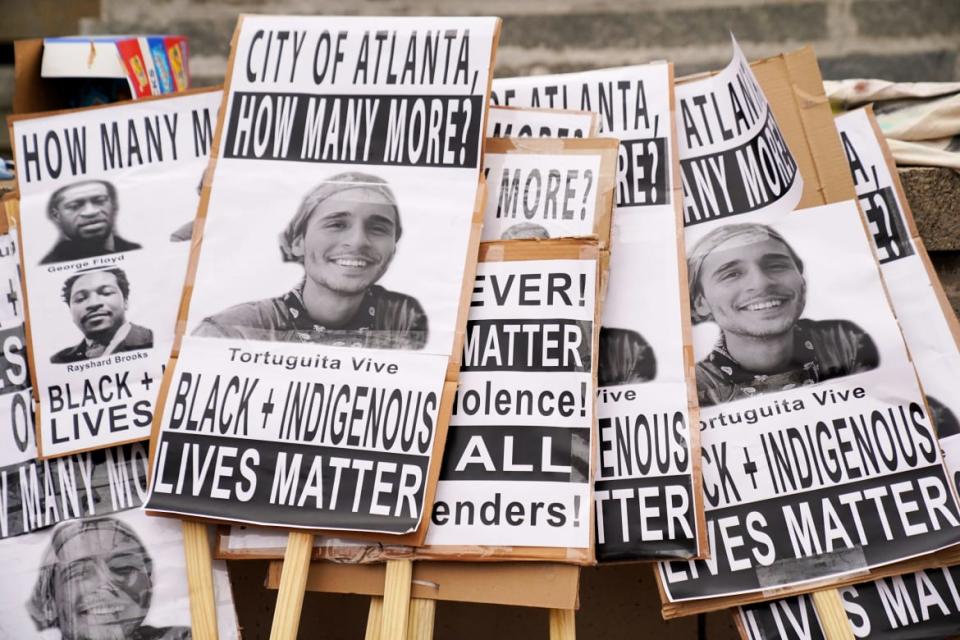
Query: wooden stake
203, 606
833, 617
563, 625
374, 619
422, 613
293, 583
396, 599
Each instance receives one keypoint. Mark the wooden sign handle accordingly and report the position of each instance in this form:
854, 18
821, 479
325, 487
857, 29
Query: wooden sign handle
293, 583
374, 619
422, 613
563, 625
833, 617
396, 599
203, 606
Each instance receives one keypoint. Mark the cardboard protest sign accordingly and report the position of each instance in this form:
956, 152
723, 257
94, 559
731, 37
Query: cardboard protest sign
311, 388
78, 555
522, 417
922, 604
820, 459
105, 194
541, 189
517, 122
648, 505
517, 467
821, 448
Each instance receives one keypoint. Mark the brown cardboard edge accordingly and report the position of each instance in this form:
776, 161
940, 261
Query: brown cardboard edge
540, 585
686, 324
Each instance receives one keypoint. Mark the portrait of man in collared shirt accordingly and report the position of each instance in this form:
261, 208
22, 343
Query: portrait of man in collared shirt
96, 583
747, 279
344, 234
98, 301
86, 214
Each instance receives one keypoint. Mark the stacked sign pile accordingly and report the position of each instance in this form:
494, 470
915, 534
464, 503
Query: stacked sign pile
502, 328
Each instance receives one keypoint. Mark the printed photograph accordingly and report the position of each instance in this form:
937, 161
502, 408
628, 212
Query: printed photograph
85, 213
344, 235
625, 358
748, 280
96, 582
98, 301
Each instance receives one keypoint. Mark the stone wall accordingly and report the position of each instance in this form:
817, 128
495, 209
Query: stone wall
892, 39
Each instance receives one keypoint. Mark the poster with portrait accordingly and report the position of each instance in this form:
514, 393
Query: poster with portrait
311, 383
521, 122
820, 457
647, 508
121, 575
922, 604
542, 189
107, 195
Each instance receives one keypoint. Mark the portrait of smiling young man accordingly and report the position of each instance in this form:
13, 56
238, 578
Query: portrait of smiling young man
345, 234
96, 583
85, 213
98, 302
748, 280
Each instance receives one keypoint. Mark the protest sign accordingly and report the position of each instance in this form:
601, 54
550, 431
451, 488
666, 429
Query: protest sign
516, 473
837, 470
646, 508
103, 194
517, 122
922, 604
541, 189
324, 406
821, 463
71, 529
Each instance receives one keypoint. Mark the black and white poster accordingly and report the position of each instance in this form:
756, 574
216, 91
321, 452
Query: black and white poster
519, 122
646, 497
733, 156
820, 459
925, 604
308, 386
107, 196
538, 190
517, 465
